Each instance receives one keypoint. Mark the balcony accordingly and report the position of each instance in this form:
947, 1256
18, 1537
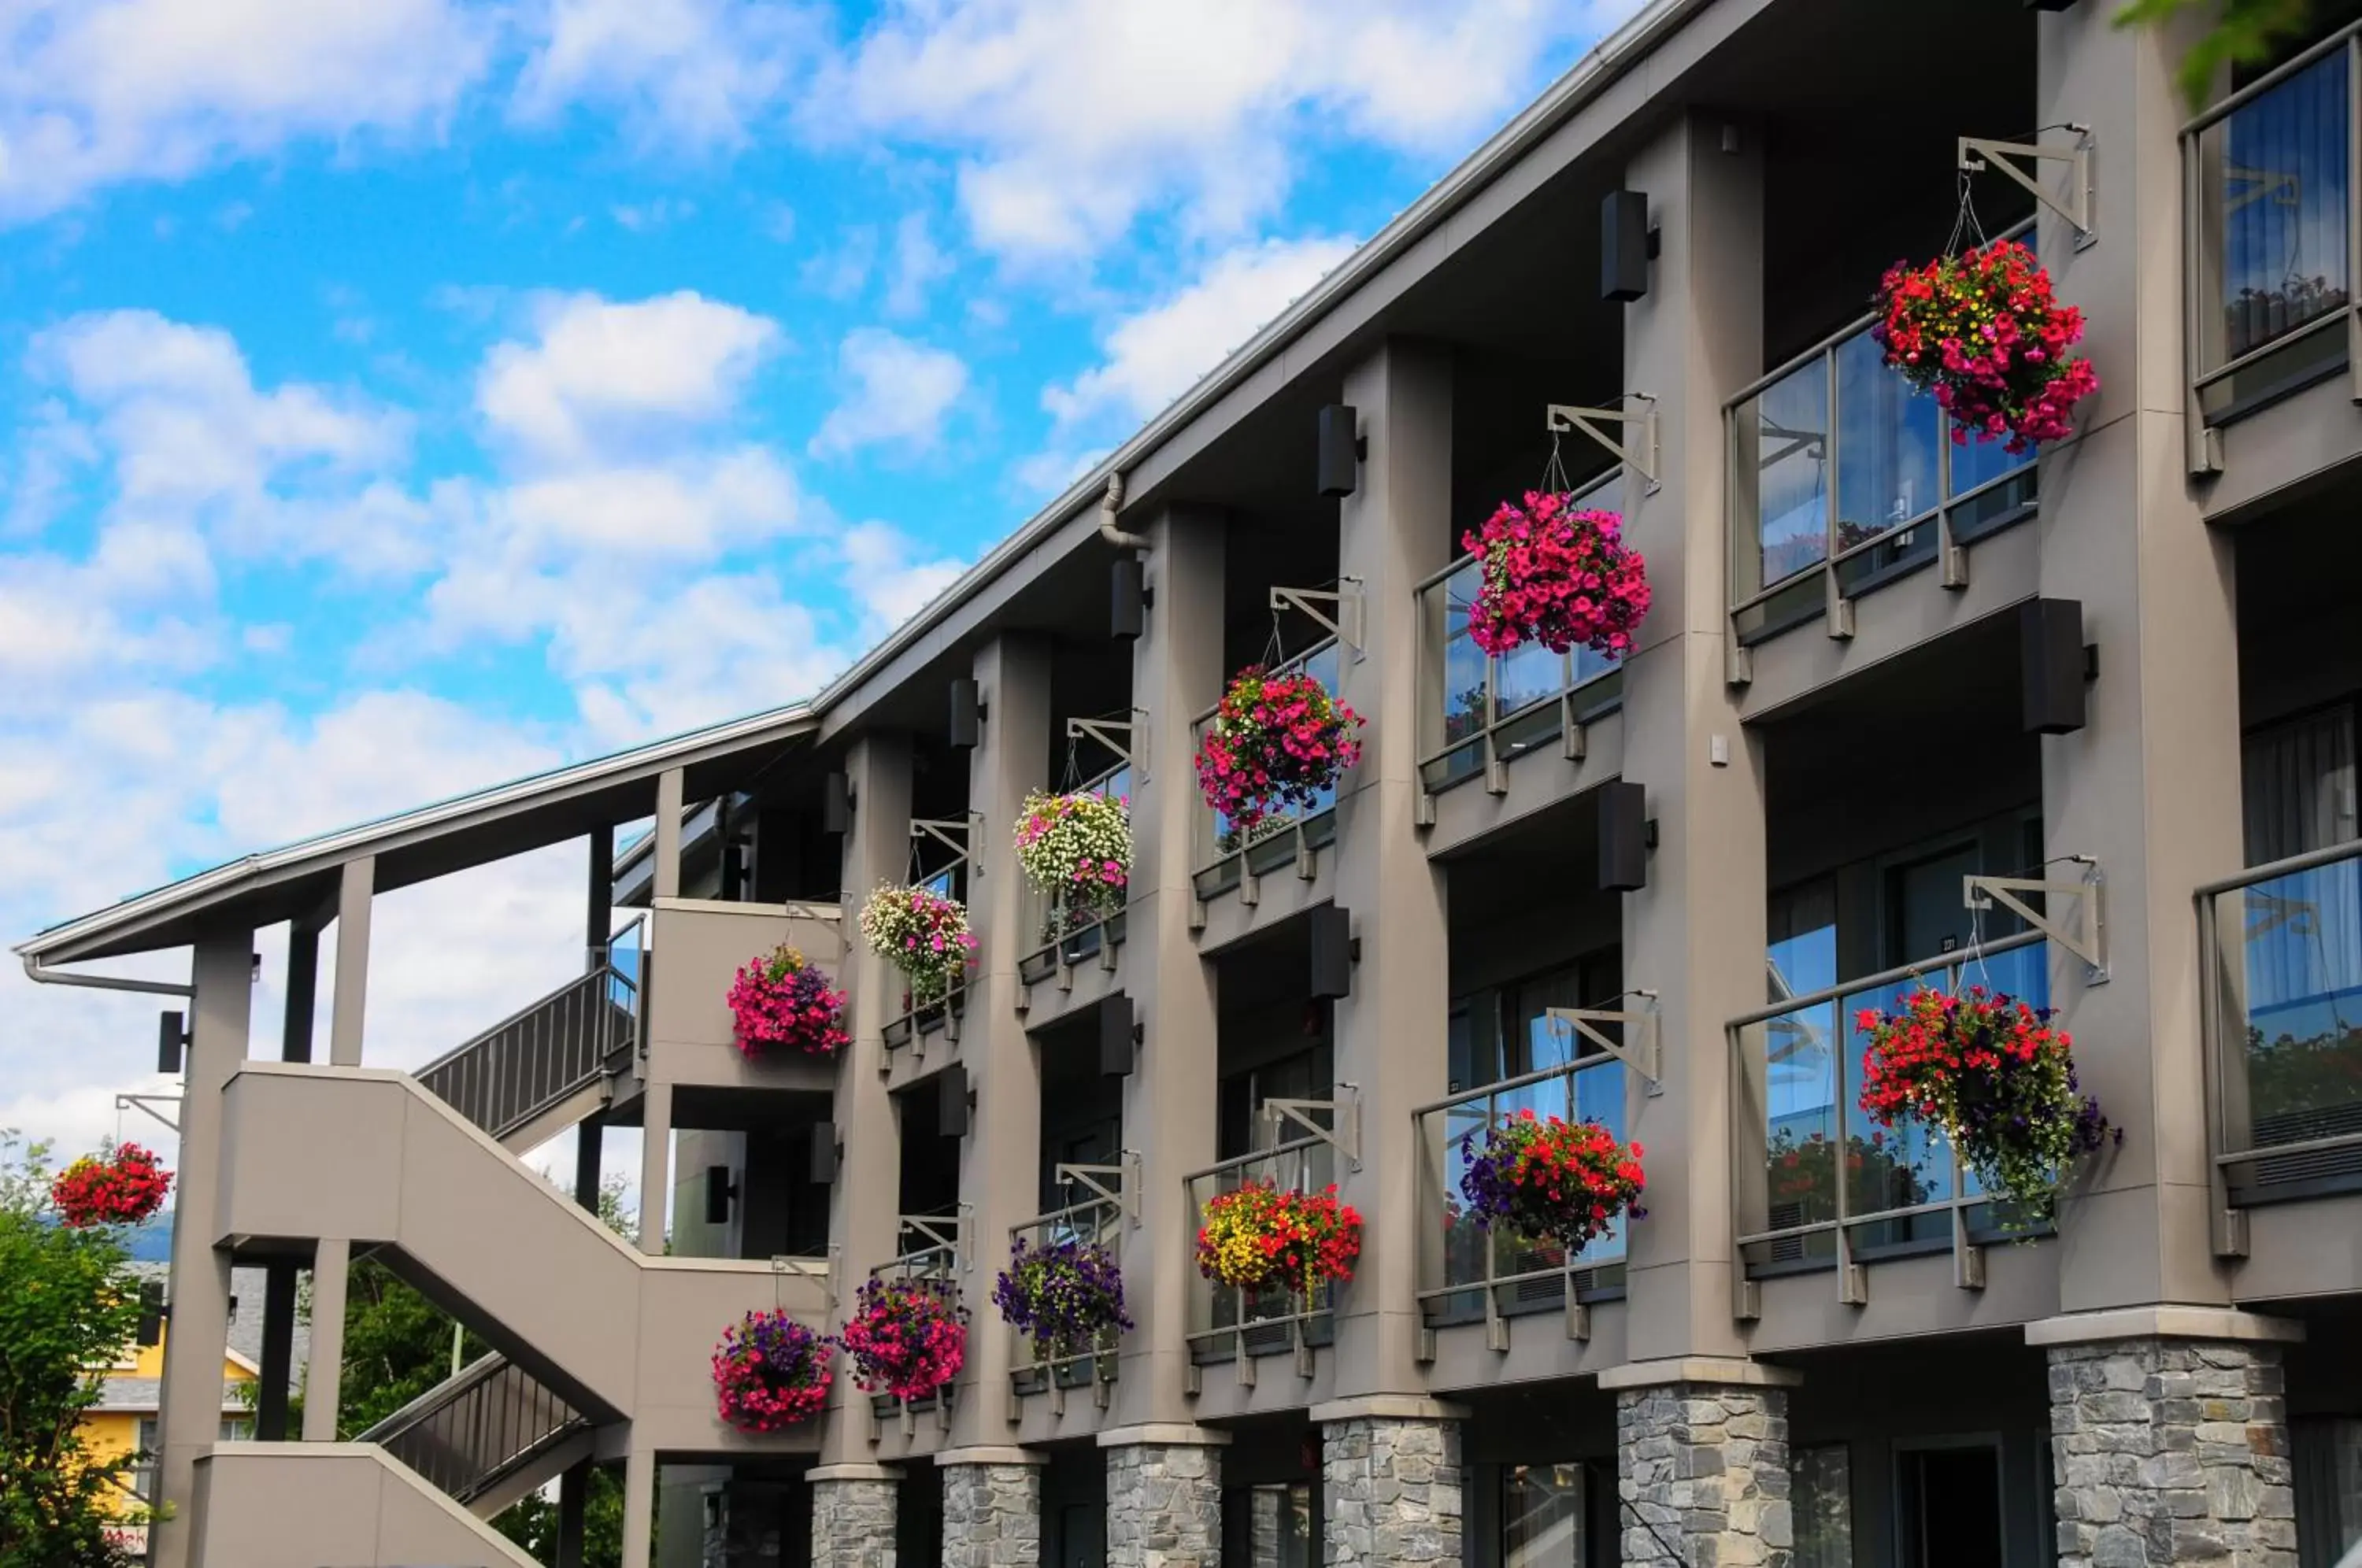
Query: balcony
2271, 239
1228, 856
1843, 480
1903, 1193
1245, 1326
917, 1015
1479, 711
2282, 951
1469, 1273
1094, 1222
1067, 932
934, 1252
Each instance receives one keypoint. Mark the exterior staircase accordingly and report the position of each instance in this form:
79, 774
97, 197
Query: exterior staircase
487, 1437
551, 1064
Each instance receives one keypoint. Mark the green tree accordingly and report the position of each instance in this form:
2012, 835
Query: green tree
2244, 32
65, 1309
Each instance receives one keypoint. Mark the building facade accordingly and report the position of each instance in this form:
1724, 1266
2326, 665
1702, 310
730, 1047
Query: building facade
2075, 725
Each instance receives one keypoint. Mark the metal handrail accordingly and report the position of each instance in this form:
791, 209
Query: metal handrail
2288, 865
1911, 971
540, 1054
467, 1433
2215, 113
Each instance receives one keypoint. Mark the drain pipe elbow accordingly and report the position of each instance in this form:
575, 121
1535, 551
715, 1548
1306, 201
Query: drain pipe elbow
1110, 505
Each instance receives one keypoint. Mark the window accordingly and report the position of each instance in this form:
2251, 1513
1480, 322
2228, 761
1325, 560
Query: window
1947, 1504
2297, 785
1802, 952
1822, 1486
2328, 1475
1541, 1516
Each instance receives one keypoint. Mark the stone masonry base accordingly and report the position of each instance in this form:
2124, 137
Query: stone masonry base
1391, 1491
2171, 1452
853, 1524
1704, 1476
992, 1515
1163, 1506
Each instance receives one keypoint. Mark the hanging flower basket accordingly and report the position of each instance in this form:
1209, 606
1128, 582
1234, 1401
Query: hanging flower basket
1550, 1180
1554, 574
783, 1003
1982, 332
1077, 848
924, 935
1991, 1075
1277, 740
1066, 1297
770, 1373
905, 1337
1263, 1234
120, 1184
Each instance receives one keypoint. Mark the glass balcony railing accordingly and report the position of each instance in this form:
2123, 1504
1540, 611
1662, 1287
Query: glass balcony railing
916, 1017
1227, 855
2283, 945
1469, 1273
1097, 1222
1063, 931
934, 1252
2272, 232
1478, 711
1817, 1182
1230, 1324
1842, 478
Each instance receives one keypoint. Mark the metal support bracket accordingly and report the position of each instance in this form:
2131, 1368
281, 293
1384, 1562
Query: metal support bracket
1980, 154
146, 1105
1638, 1050
1125, 1192
1561, 418
952, 833
1343, 1131
1133, 743
2086, 937
929, 1229
1345, 598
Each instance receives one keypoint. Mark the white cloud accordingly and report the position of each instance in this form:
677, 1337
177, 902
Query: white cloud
1074, 116
919, 265
897, 391
886, 573
1154, 357
600, 374
98, 92
685, 73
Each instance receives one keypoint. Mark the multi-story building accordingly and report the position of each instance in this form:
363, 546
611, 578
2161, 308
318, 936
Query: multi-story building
2079, 725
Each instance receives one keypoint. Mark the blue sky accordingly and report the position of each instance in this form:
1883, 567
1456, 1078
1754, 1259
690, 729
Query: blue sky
399, 397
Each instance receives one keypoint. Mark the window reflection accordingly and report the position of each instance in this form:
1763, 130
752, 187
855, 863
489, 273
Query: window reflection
1541, 1516
1792, 418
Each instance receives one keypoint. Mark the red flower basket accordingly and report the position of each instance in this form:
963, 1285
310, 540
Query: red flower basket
1263, 1234
907, 1338
1555, 575
770, 1373
783, 1003
1982, 332
118, 1186
1552, 1179
1279, 739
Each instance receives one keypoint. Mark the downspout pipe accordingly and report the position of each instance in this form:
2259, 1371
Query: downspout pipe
39, 976
1110, 505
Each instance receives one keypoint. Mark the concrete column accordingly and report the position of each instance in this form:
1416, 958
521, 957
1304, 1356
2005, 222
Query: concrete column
303, 991
1390, 1484
589, 1144
2150, 786
1168, 1112
867, 1197
999, 1158
355, 892
655, 1166
1390, 1031
1696, 934
278, 1352
573, 1494
1163, 1496
222, 977
639, 1505
853, 1516
323, 1372
2167, 1449
665, 871
1701, 1464
992, 1507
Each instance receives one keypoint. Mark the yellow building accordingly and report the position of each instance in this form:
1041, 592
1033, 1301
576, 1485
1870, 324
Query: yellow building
124, 1421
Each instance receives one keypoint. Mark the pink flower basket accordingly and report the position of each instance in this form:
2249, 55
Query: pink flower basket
782, 1003
1555, 575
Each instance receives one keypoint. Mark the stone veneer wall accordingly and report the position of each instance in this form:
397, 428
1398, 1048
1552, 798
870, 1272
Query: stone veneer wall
992, 1515
1164, 1506
2171, 1452
1391, 1492
1705, 1467
853, 1524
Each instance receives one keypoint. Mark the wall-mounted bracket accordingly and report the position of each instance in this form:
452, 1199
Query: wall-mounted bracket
1343, 1131
146, 1105
1560, 418
1118, 1184
2085, 935
954, 833
1638, 1050
1345, 599
936, 1232
1980, 154
1127, 739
